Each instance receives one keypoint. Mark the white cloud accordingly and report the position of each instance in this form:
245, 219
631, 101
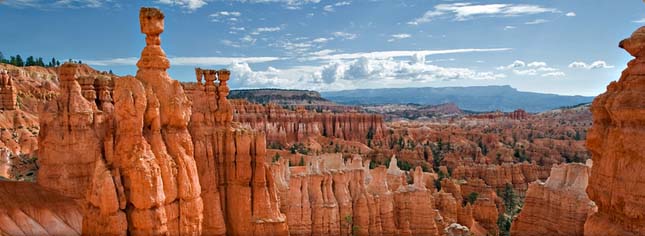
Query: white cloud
532, 69
268, 29
322, 40
467, 11
389, 54
536, 64
365, 70
509, 27
331, 7
289, 4
226, 13
187, 4
184, 61
345, 35
536, 22
21, 3
230, 43
593, 65
395, 37
55, 3
323, 52
230, 16
554, 74
570, 14
515, 64
641, 21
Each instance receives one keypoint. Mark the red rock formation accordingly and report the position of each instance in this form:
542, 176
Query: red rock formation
69, 138
240, 193
284, 126
28, 209
144, 180
497, 176
518, 114
616, 144
558, 207
8, 99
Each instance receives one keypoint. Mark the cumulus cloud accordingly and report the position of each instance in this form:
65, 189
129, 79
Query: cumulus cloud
570, 14
373, 70
357, 73
519, 67
468, 11
186, 4
593, 65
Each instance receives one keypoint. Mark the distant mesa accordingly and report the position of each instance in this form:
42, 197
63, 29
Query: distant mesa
475, 98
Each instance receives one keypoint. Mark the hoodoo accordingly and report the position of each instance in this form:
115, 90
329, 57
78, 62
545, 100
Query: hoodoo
616, 144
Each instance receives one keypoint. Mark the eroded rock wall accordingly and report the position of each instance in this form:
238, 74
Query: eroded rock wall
558, 207
284, 126
616, 144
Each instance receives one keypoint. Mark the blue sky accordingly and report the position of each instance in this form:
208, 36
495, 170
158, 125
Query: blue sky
554, 46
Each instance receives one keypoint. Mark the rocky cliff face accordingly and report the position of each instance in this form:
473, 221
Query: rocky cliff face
497, 176
558, 207
239, 191
616, 144
284, 126
330, 196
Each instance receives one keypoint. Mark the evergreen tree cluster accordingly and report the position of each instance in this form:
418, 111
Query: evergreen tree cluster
18, 60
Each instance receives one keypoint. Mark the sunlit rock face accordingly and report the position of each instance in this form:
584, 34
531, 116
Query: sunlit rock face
616, 144
239, 190
128, 160
558, 207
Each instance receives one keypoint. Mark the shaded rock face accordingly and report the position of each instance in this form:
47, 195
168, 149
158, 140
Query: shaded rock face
239, 191
284, 126
8, 100
558, 207
29, 209
616, 144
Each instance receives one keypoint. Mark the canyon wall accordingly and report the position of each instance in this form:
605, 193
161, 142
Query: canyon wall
558, 207
284, 126
497, 176
616, 144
